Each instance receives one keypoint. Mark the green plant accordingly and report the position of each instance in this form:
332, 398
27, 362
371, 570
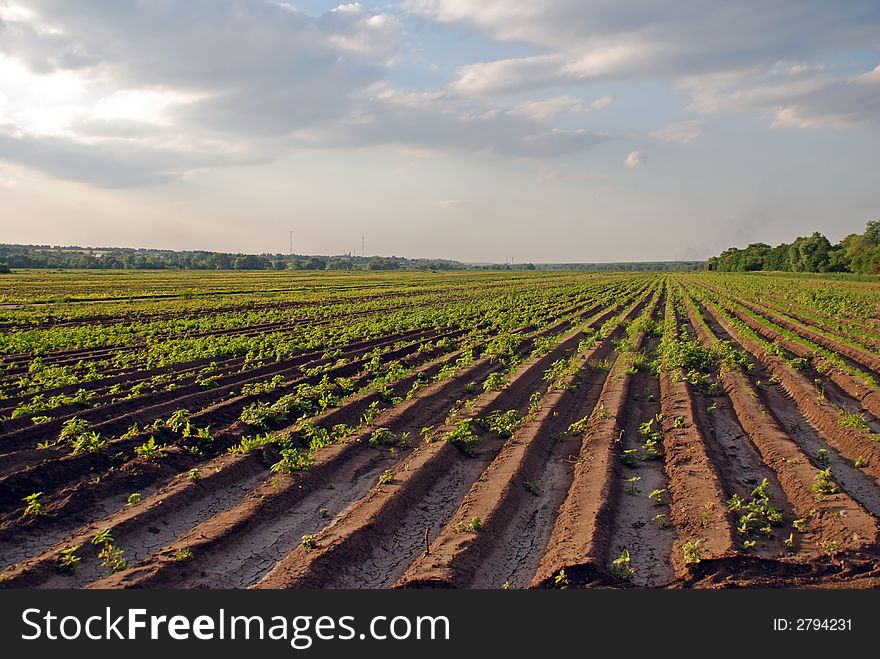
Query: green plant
823, 485
67, 559
631, 488
150, 450
656, 496
112, 557
309, 542
692, 552
183, 554
823, 456
463, 436
579, 427
293, 460
532, 487
34, 507
503, 424
474, 525
661, 520
830, 547
495, 382
853, 420
622, 566
387, 477
134, 499
630, 458
860, 462
382, 436
102, 537
87, 442
561, 580
800, 525
678, 422
602, 412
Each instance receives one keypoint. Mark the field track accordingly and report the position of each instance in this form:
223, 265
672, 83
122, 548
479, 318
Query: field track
430, 430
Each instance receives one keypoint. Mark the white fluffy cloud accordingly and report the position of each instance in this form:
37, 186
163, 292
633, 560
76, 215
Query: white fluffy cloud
634, 159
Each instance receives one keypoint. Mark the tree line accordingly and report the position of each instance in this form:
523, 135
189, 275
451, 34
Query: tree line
124, 258
857, 253
79, 258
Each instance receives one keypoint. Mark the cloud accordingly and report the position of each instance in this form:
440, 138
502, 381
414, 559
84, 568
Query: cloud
679, 131
544, 110
634, 159
161, 85
579, 42
795, 97
447, 122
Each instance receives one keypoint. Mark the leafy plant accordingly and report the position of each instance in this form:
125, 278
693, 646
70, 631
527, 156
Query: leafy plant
823, 485
112, 558
133, 499
622, 566
692, 552
34, 507
293, 460
630, 458
67, 559
463, 436
474, 525
150, 450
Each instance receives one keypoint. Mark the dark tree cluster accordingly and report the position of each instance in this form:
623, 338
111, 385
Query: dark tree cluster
857, 253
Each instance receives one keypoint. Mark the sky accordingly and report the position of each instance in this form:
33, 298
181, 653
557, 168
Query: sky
492, 131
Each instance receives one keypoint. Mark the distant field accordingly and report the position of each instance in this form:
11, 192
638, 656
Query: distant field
465, 429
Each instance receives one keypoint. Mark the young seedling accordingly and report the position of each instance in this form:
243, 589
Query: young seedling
678, 422
692, 552
622, 567
475, 525
860, 462
309, 542
789, 541
561, 580
387, 477
632, 488
67, 559
800, 525
630, 458
830, 547
183, 554
102, 537
661, 520
34, 507
823, 485
532, 487
134, 499
823, 456
111, 557
656, 496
